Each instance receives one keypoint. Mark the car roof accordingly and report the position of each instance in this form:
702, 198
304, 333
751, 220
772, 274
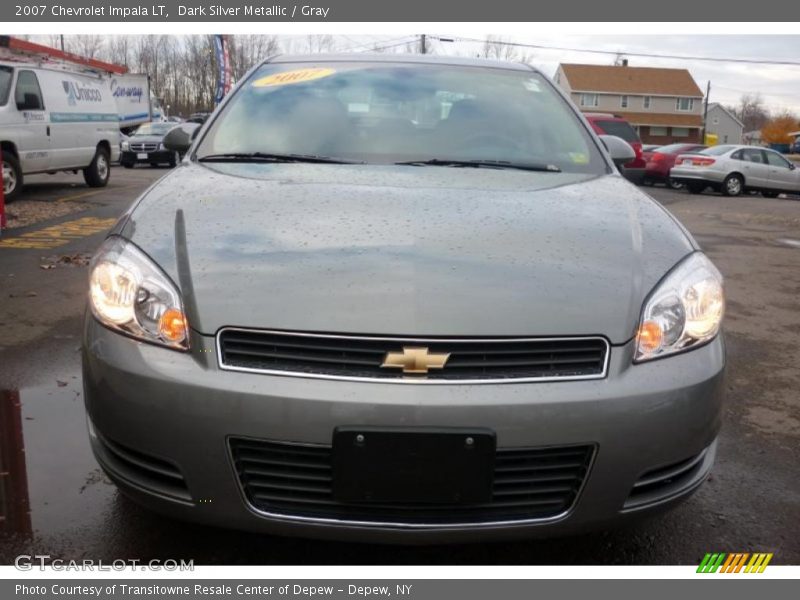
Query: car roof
424, 59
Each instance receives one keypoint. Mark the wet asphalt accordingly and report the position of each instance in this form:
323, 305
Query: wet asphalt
65, 507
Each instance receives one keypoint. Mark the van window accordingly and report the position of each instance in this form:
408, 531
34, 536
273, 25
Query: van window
6, 73
28, 84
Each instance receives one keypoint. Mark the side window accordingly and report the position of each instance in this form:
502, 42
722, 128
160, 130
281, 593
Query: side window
776, 160
28, 93
754, 156
738, 155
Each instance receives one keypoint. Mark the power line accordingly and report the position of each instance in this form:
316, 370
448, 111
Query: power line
751, 61
371, 44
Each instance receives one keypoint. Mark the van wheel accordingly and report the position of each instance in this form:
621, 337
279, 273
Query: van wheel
97, 173
12, 177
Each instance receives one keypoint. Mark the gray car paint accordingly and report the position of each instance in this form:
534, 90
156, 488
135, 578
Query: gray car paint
411, 250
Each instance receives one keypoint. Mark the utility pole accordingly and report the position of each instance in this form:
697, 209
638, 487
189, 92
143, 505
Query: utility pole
422, 46
62, 42
705, 112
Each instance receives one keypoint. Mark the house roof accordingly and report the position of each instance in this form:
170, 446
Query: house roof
661, 119
631, 80
726, 111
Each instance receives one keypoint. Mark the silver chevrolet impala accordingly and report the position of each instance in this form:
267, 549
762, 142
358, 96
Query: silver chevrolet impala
402, 299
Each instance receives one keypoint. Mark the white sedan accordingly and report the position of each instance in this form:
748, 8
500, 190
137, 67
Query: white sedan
733, 170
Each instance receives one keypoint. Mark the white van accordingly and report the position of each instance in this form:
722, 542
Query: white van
55, 120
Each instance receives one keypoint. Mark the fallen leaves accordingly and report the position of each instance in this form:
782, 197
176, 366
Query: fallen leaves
81, 259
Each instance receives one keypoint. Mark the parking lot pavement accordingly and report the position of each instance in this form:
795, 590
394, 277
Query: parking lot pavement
751, 503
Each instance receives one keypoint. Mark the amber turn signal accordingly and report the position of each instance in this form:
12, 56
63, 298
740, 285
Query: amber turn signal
172, 325
650, 337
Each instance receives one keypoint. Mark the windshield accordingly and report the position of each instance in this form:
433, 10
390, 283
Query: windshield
394, 112
6, 73
717, 150
154, 129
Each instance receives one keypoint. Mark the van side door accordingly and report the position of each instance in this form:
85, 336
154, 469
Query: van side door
33, 142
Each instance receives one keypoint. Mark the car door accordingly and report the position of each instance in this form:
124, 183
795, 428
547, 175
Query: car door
754, 167
783, 175
33, 143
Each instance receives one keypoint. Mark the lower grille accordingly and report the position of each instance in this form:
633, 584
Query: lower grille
296, 480
146, 471
662, 482
362, 357
144, 147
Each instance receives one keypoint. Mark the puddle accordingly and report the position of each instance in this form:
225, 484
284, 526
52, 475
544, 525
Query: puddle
53, 483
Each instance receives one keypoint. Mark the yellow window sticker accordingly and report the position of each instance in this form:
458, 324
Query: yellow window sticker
579, 158
296, 76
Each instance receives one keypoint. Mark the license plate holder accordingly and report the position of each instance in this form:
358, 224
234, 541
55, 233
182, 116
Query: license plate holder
413, 465
142, 156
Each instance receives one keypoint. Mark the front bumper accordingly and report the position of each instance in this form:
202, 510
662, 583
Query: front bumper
157, 156
182, 409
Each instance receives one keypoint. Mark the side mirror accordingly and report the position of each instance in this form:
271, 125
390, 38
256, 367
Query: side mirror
180, 138
30, 102
792, 166
620, 151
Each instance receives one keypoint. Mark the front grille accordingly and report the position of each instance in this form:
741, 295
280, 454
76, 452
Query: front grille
146, 471
144, 147
663, 482
295, 480
360, 357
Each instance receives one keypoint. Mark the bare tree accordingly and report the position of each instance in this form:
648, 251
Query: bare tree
500, 48
752, 112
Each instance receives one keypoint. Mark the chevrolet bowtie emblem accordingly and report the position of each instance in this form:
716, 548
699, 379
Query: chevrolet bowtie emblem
414, 360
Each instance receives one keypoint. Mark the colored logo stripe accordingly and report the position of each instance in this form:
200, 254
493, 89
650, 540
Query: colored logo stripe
82, 117
734, 562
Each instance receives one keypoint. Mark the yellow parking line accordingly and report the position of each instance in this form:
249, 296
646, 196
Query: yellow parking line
81, 195
58, 235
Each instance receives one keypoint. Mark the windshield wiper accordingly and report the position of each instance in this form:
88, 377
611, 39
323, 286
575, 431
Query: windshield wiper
497, 164
273, 157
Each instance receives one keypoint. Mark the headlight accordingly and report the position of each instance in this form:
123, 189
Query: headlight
684, 310
125, 146
129, 293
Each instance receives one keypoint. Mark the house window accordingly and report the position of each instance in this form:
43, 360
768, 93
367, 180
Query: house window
715, 120
588, 99
725, 140
646, 102
623, 102
680, 132
684, 104
658, 130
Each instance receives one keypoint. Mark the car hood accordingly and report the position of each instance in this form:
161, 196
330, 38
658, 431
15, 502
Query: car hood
407, 250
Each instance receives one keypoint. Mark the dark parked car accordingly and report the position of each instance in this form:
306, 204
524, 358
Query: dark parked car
661, 160
608, 124
146, 146
402, 299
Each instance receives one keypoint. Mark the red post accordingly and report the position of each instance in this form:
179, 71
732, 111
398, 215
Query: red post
2, 196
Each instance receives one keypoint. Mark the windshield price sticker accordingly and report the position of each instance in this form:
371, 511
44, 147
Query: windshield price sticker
289, 77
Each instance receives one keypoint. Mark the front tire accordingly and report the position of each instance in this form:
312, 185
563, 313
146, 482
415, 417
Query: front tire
12, 177
733, 185
98, 172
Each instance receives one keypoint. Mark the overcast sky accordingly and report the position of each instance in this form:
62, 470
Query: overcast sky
778, 85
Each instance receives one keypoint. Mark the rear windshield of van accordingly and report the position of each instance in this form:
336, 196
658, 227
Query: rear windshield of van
620, 129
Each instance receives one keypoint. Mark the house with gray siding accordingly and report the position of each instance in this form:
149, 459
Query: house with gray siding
724, 124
